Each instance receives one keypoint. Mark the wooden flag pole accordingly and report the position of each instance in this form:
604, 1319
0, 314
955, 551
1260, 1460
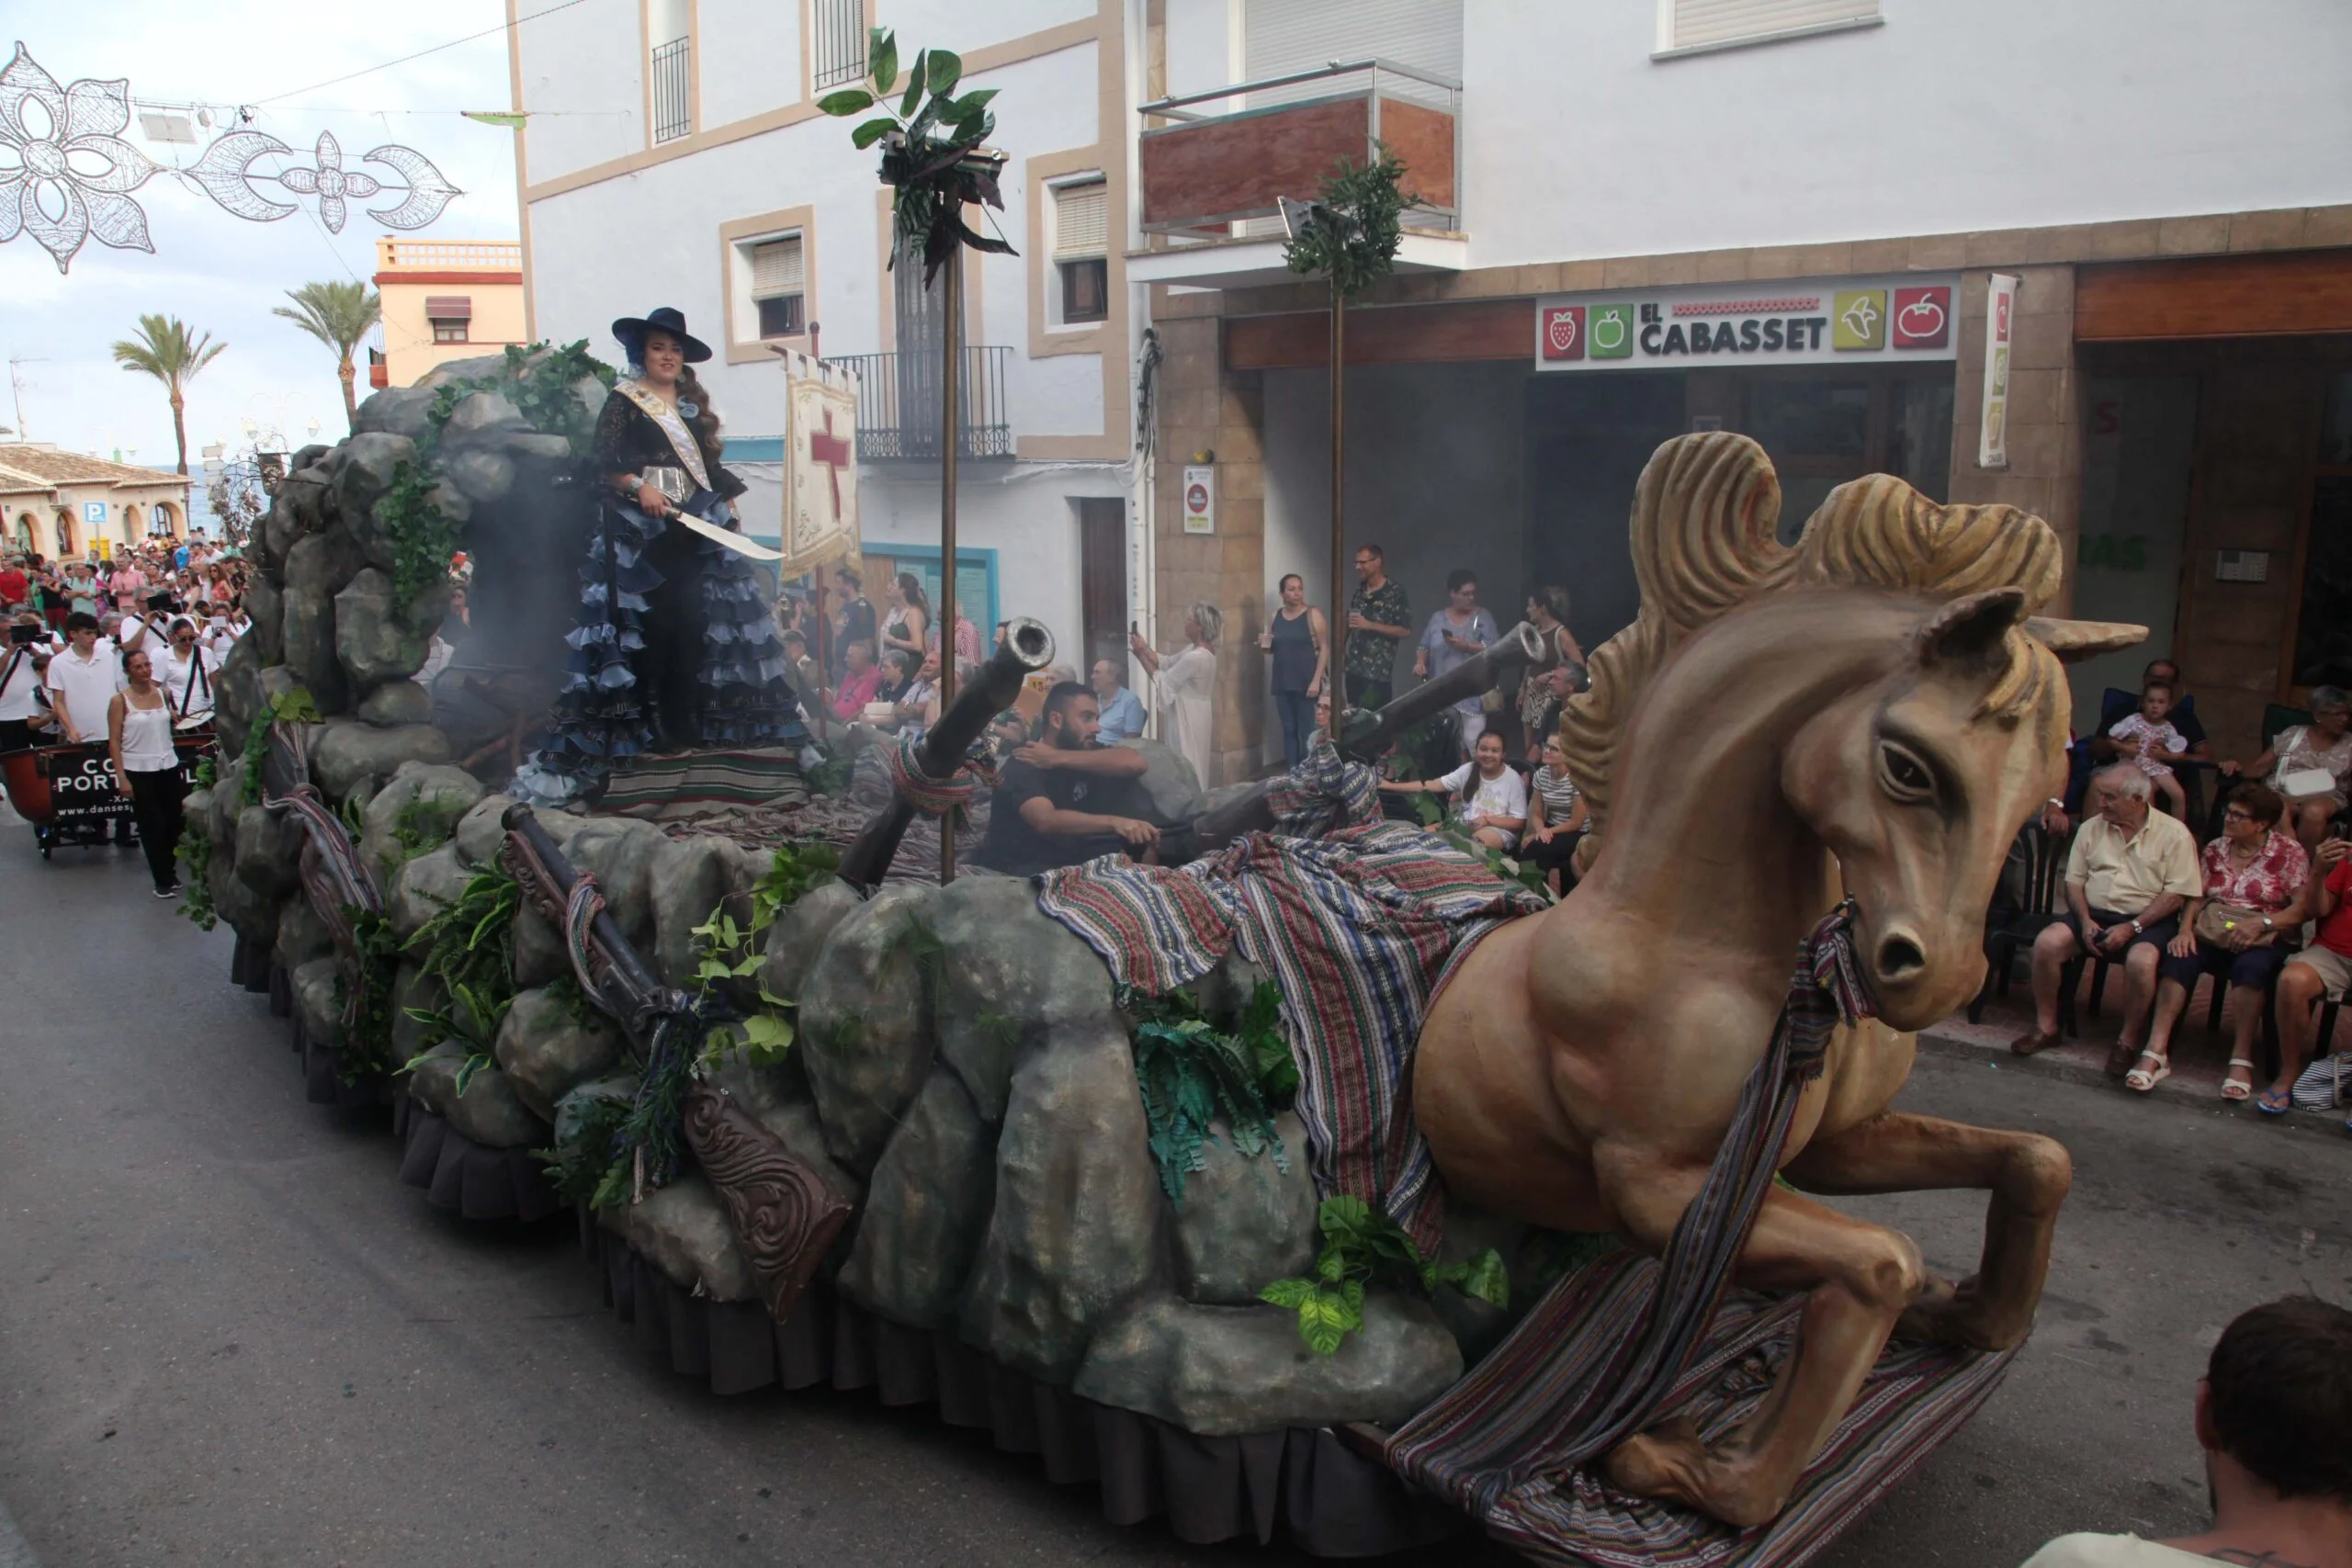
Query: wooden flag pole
951, 374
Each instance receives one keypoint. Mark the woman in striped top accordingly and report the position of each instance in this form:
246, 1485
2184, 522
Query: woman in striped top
1555, 818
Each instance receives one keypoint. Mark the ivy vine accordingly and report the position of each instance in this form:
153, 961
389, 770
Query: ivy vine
422, 537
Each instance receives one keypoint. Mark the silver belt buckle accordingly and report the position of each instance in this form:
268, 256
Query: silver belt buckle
672, 482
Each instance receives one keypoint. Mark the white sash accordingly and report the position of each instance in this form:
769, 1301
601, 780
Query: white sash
673, 424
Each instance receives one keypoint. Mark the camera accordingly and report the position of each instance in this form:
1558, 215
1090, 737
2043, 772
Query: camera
25, 637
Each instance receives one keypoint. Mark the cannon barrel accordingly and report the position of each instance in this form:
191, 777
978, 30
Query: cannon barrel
1027, 647
1363, 735
632, 991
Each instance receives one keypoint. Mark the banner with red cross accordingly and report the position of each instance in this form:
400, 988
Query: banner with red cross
821, 481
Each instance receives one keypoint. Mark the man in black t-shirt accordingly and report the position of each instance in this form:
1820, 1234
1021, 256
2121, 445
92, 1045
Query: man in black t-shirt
1063, 798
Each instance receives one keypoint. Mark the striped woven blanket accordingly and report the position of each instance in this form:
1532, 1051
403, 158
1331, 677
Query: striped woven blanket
1356, 926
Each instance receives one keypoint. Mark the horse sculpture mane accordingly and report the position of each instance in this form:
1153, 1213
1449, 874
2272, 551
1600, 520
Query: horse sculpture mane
1705, 541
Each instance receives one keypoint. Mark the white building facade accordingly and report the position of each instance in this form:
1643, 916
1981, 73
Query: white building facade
2157, 188
676, 156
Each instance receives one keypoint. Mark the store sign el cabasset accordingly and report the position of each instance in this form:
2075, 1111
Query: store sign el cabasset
1848, 321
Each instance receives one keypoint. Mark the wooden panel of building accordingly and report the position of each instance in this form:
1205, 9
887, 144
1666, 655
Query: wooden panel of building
1422, 139
2253, 296
1242, 162
1393, 334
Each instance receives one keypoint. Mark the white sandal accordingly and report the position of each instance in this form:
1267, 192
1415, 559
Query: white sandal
2142, 1080
2231, 1088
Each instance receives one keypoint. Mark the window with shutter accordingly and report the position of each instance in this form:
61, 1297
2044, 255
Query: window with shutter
1721, 24
779, 274
1082, 221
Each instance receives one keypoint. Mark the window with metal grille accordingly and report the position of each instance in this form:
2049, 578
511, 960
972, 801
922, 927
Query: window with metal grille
840, 29
779, 286
1082, 249
672, 81
1685, 25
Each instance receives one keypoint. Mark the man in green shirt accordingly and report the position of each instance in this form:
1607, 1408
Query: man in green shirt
1378, 617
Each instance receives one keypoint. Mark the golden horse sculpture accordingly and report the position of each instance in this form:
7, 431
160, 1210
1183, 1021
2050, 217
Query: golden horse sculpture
1874, 714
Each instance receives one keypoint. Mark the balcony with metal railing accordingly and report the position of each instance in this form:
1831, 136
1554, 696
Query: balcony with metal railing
898, 398
1216, 165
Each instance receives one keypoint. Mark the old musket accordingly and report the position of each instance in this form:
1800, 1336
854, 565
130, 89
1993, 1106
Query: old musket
1364, 733
1027, 646
784, 1215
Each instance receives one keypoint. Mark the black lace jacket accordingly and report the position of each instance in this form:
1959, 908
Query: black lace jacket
628, 440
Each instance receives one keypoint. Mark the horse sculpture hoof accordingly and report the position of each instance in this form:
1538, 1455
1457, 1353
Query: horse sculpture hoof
1668, 1462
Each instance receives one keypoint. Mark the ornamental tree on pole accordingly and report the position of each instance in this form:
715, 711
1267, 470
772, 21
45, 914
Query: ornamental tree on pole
1349, 236
935, 165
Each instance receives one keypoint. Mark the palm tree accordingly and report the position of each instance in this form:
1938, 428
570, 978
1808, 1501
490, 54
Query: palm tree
167, 351
337, 314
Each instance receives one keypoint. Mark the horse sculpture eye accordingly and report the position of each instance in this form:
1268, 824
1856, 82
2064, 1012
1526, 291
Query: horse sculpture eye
1906, 775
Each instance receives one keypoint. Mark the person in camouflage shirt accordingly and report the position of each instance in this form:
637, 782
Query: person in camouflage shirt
1378, 617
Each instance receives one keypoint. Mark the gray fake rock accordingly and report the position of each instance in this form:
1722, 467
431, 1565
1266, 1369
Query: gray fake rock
1246, 1221
222, 804
482, 832
277, 681
411, 989
620, 853
344, 751
1168, 780
540, 954
530, 446
269, 851
682, 1230
481, 477
302, 935
374, 640
799, 934
254, 915
866, 1035
489, 1113
480, 414
690, 877
926, 1209
474, 368
315, 1004
1478, 1326
414, 812
547, 1051
1225, 1371
1075, 1231
393, 702
236, 695
620, 1089
267, 605
371, 461
317, 568
1016, 974
396, 410
424, 887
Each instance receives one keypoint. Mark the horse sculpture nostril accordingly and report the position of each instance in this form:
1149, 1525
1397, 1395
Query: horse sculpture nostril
1900, 958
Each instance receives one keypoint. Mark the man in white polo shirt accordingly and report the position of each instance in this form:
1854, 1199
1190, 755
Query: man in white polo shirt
83, 680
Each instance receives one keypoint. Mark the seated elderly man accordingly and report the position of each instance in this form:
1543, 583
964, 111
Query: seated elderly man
2128, 875
1064, 798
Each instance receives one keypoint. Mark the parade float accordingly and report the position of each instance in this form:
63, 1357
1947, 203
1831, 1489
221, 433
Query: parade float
1336, 1185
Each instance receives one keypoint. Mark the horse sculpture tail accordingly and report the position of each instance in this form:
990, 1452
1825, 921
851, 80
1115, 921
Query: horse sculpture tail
1704, 541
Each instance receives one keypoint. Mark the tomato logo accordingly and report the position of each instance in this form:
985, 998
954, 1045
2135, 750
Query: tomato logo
1922, 317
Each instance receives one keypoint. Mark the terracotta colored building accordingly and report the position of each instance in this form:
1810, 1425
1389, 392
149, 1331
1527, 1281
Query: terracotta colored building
58, 504
444, 299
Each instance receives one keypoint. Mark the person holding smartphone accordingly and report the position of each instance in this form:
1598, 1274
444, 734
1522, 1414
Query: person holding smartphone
20, 681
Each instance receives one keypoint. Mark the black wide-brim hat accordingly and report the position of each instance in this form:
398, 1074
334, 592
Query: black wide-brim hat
631, 330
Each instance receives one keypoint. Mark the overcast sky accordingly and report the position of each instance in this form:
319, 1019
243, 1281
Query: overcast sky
220, 272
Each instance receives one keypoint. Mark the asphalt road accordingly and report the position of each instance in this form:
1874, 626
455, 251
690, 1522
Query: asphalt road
228, 1335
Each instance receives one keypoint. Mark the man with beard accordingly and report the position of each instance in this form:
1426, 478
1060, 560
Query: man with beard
1063, 798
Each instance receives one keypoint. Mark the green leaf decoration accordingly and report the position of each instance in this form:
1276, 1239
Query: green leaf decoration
882, 51
1191, 1074
848, 101
914, 89
872, 131
1353, 242
946, 70
1287, 1293
1360, 1245
1328, 1317
971, 103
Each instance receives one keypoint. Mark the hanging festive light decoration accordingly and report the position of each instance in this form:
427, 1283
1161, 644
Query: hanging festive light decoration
66, 173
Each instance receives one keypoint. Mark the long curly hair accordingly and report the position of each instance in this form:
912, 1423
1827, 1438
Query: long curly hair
705, 422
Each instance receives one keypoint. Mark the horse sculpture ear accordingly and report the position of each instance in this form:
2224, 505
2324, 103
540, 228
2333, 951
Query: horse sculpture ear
1970, 627
2074, 641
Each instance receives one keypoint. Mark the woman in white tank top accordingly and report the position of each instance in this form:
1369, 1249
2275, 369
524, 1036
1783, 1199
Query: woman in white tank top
147, 769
